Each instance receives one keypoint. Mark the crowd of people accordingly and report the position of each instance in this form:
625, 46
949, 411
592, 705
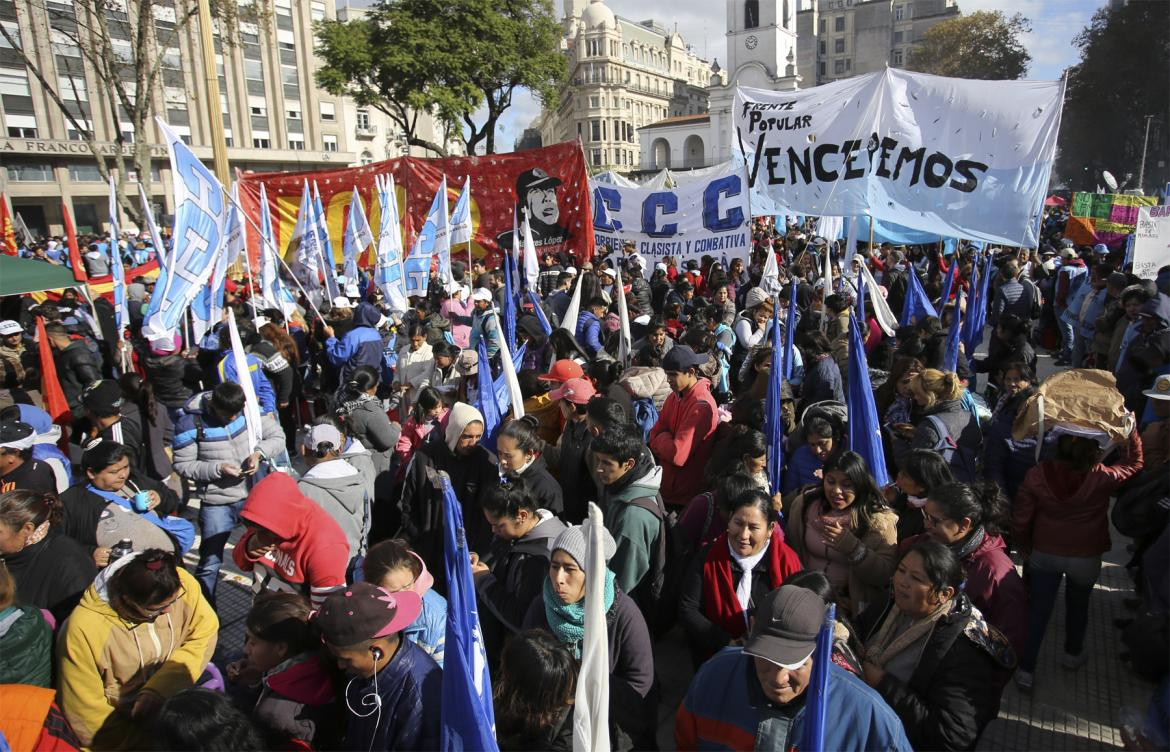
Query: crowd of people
114, 527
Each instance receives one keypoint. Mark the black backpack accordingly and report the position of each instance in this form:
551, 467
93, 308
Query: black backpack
658, 592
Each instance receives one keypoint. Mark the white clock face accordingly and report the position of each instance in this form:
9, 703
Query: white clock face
751, 42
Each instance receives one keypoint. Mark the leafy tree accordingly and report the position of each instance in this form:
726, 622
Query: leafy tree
1121, 78
119, 44
455, 60
985, 45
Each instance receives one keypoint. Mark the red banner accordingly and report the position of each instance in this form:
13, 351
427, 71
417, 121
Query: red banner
552, 184
7, 234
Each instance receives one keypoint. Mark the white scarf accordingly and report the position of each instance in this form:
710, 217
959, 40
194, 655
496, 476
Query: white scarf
743, 591
916, 502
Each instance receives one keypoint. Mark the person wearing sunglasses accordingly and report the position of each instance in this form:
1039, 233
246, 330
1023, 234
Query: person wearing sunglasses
142, 633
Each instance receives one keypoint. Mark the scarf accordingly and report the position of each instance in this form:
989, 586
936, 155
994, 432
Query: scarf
180, 530
567, 620
888, 642
964, 549
916, 502
723, 603
349, 406
743, 591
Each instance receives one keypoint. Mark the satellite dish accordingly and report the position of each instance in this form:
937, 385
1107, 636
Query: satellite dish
1110, 181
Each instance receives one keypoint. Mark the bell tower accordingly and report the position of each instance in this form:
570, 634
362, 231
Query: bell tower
761, 41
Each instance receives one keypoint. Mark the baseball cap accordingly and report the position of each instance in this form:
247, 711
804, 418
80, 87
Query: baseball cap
607, 272
1161, 388
562, 371
682, 358
1068, 252
342, 302
535, 178
578, 391
321, 434
1101, 248
8, 326
786, 627
104, 393
482, 293
16, 435
363, 611
352, 291
571, 270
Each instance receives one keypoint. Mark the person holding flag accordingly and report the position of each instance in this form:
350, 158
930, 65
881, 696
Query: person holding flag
757, 696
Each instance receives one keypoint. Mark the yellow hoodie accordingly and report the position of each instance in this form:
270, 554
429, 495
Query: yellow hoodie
104, 662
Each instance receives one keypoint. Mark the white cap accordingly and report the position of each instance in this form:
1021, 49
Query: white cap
660, 267
571, 270
482, 293
8, 326
609, 273
1161, 388
320, 434
342, 302
259, 321
352, 291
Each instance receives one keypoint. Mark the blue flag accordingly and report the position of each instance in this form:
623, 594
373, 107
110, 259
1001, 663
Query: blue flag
539, 312
467, 721
503, 390
324, 246
508, 315
358, 236
201, 215
486, 399
121, 307
951, 355
917, 306
417, 266
865, 433
773, 416
948, 285
816, 713
790, 333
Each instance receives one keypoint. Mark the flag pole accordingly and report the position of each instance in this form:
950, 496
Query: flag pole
469, 234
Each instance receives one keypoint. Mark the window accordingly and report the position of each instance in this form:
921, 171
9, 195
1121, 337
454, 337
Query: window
14, 82
258, 106
30, 173
289, 75
13, 30
839, 23
72, 88
897, 58
848, 64
328, 112
21, 126
899, 12
330, 143
367, 158
838, 66
253, 70
821, 68
839, 45
285, 40
223, 103
595, 130
751, 14
821, 47
172, 59
227, 137
362, 119
597, 157
84, 173
73, 134
594, 102
261, 140
822, 27
296, 141
897, 37
317, 10
65, 45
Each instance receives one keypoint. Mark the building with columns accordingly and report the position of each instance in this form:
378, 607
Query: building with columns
623, 75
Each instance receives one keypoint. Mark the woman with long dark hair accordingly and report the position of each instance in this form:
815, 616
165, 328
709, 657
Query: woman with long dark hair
534, 694
366, 421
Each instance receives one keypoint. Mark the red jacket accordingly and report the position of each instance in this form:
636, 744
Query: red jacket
313, 553
682, 440
1065, 513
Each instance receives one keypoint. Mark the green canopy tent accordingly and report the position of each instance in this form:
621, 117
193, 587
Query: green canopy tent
18, 276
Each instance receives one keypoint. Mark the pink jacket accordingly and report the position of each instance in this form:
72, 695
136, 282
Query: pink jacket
412, 435
682, 441
459, 314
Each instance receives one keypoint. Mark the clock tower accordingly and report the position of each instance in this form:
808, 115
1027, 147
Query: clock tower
761, 42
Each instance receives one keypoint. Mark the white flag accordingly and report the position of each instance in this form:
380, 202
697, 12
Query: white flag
569, 320
626, 340
591, 704
531, 263
509, 369
251, 404
886, 318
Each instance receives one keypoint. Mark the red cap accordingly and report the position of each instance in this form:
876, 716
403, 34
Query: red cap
577, 391
562, 371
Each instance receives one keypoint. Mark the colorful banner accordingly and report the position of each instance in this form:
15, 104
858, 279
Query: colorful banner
955, 157
1109, 217
1151, 241
550, 183
704, 217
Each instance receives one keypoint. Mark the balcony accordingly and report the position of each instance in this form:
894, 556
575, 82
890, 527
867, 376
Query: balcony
365, 131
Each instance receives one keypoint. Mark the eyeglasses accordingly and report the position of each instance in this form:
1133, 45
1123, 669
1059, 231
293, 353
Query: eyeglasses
156, 612
930, 520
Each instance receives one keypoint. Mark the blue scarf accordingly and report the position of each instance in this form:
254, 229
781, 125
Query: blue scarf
567, 620
182, 531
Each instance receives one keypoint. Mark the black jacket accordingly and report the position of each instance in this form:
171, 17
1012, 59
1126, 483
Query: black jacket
570, 458
956, 687
640, 292
172, 377
76, 370
545, 489
52, 574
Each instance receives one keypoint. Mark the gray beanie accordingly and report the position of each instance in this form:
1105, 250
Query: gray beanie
572, 541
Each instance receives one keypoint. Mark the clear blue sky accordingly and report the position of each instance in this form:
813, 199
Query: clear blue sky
703, 24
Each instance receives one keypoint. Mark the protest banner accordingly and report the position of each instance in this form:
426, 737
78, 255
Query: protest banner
1151, 241
702, 217
955, 157
551, 184
1107, 217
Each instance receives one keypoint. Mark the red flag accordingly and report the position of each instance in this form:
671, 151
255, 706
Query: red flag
54, 397
7, 233
74, 252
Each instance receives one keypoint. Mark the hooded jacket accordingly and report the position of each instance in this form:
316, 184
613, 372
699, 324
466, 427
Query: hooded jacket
203, 443
410, 688
26, 647
545, 490
1146, 355
368, 422
589, 333
295, 700
76, 370
570, 459
104, 662
518, 570
313, 552
682, 441
52, 573
340, 490
636, 531
172, 377
360, 346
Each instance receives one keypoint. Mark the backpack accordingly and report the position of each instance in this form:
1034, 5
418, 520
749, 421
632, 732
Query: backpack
1036, 306
962, 461
658, 592
645, 415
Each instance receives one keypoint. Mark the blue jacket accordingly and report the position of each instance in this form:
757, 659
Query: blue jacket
429, 630
802, 468
410, 686
264, 391
485, 325
361, 345
725, 709
589, 333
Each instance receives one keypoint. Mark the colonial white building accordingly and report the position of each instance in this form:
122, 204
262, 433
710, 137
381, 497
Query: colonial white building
623, 75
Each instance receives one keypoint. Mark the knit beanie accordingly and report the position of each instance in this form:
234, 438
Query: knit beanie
572, 541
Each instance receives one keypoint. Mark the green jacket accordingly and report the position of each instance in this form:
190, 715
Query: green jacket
635, 530
26, 647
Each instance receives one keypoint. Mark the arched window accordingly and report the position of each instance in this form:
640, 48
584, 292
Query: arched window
751, 14
367, 157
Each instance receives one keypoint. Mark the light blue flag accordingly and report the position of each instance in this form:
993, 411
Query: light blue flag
539, 312
201, 215
272, 287
418, 263
302, 251
324, 246
948, 285
156, 240
467, 718
865, 433
487, 400
358, 236
388, 271
442, 241
121, 308
461, 217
